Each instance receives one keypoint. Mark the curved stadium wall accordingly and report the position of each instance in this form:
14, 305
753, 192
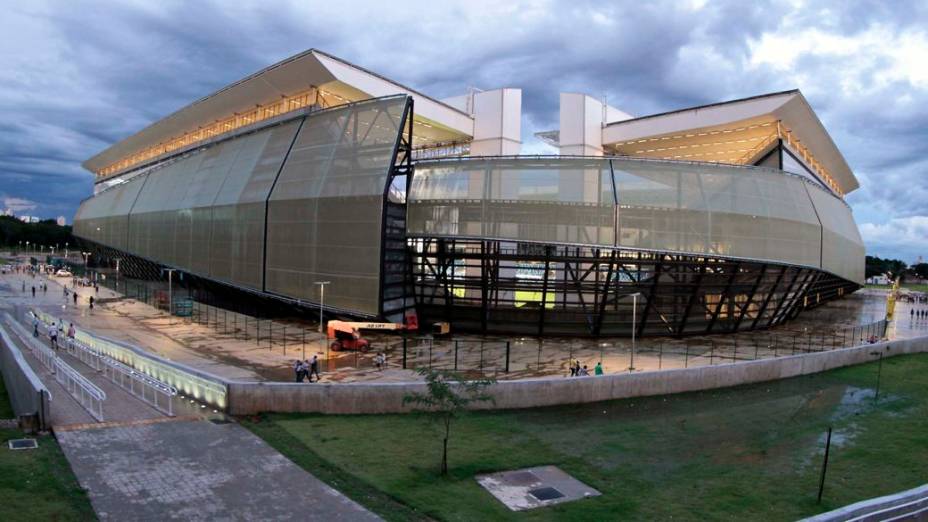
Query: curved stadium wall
553, 245
564, 245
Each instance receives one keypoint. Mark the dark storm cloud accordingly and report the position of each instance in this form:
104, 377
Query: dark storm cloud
76, 77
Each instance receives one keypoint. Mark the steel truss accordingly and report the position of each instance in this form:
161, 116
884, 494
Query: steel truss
511, 287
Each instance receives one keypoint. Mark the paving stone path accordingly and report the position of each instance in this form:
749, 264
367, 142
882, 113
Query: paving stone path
197, 470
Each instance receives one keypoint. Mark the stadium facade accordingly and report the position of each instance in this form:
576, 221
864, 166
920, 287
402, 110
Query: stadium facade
716, 218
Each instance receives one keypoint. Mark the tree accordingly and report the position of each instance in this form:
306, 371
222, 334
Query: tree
921, 270
447, 397
877, 266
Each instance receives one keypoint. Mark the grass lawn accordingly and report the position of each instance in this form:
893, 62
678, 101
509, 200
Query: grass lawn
37, 484
752, 452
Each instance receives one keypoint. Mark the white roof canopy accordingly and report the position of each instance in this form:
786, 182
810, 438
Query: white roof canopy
727, 132
438, 121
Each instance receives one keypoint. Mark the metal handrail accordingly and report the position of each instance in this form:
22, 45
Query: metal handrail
87, 394
152, 391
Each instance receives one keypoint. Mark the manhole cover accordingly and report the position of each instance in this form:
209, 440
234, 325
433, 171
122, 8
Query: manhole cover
545, 493
521, 478
220, 421
20, 444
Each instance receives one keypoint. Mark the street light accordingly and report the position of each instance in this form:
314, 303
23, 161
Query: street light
117, 272
631, 362
170, 272
66, 250
321, 300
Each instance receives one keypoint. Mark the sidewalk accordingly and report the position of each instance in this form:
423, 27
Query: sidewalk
142, 465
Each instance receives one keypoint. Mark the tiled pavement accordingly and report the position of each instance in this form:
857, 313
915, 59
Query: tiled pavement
197, 470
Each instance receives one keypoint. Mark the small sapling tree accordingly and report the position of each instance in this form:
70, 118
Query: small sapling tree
448, 395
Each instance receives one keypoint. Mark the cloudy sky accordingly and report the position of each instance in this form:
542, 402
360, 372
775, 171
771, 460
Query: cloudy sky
77, 76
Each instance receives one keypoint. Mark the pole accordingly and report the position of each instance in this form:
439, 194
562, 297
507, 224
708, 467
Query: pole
631, 362
879, 373
321, 301
507, 356
821, 482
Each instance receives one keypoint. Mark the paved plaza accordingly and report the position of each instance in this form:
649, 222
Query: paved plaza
226, 345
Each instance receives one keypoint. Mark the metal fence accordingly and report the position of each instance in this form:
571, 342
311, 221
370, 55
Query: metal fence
533, 357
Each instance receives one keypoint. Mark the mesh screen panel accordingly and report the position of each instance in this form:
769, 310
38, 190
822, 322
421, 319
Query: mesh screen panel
842, 247
104, 218
751, 213
325, 213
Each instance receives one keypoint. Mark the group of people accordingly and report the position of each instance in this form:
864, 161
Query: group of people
307, 368
583, 371
53, 331
918, 314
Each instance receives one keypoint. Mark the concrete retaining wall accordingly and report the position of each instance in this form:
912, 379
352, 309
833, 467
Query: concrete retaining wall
28, 395
251, 397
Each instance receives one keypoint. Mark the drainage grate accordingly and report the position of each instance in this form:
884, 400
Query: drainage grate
21, 444
220, 421
546, 493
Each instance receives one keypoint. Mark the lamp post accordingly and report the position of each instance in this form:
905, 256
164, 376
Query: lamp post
631, 362
170, 272
27, 248
321, 300
66, 250
117, 272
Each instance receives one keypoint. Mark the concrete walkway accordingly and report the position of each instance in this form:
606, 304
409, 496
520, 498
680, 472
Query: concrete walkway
142, 465
197, 470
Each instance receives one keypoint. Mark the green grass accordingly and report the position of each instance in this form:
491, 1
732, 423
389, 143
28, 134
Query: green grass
37, 484
752, 452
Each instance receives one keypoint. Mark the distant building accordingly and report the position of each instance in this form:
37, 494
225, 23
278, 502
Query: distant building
881, 279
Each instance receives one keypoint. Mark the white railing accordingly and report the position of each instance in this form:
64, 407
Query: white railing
191, 382
152, 391
85, 392
84, 354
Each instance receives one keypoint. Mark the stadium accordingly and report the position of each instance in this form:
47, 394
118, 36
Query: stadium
316, 174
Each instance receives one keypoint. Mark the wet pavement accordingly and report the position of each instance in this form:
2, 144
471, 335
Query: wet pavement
238, 347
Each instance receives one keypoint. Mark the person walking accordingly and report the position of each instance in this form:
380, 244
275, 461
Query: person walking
314, 369
598, 370
71, 331
380, 360
299, 370
33, 291
75, 297
584, 372
35, 326
91, 303
24, 286
53, 335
